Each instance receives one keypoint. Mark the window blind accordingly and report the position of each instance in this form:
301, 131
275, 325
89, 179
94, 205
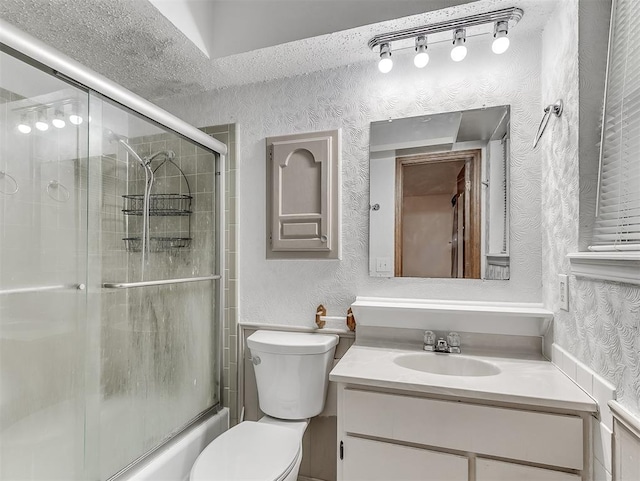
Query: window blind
617, 226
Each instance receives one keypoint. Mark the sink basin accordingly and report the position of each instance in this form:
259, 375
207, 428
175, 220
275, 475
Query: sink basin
446, 364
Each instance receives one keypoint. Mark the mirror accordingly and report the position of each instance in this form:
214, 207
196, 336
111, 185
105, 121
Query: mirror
439, 203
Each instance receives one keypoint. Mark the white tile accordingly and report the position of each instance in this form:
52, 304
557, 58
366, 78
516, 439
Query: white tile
602, 438
585, 378
603, 392
599, 473
569, 366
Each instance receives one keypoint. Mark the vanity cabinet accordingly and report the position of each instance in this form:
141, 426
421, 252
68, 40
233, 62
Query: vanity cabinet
383, 461
491, 470
388, 435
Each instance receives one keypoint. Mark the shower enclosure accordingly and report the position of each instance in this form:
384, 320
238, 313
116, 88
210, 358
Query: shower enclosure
110, 260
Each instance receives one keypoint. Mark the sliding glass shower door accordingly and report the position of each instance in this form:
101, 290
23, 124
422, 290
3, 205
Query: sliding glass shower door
43, 274
155, 215
108, 262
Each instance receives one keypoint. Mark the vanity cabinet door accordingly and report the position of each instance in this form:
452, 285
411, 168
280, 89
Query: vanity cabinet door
490, 470
369, 460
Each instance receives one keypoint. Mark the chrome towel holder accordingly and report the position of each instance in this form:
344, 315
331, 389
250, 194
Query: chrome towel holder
553, 109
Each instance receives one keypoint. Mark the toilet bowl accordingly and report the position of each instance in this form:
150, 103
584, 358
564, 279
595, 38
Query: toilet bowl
292, 374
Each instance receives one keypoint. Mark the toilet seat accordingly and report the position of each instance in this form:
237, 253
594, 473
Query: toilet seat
250, 451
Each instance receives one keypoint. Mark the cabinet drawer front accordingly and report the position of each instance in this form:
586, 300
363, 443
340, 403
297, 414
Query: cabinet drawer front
368, 460
551, 439
490, 470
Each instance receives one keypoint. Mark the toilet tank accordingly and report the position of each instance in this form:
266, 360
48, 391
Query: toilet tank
292, 371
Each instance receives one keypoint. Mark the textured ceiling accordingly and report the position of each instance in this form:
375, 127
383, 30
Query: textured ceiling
132, 43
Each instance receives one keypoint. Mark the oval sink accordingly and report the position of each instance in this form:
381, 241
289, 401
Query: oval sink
446, 364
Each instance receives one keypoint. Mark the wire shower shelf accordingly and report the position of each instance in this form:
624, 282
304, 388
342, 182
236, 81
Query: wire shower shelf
159, 204
164, 205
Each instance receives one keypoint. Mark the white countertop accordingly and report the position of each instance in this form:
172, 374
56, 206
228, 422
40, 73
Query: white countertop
521, 381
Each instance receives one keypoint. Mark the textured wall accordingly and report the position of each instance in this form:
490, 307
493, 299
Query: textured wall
602, 327
287, 292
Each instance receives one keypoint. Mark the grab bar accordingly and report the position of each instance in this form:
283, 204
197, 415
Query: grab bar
162, 282
27, 290
555, 109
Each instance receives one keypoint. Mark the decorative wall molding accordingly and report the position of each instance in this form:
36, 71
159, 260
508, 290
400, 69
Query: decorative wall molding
609, 266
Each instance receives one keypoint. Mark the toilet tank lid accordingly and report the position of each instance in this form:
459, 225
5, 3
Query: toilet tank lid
282, 342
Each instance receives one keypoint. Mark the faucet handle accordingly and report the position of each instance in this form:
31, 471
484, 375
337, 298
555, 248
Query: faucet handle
429, 340
453, 339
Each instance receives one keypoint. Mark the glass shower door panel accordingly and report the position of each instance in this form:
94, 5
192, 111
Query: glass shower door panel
158, 366
42, 265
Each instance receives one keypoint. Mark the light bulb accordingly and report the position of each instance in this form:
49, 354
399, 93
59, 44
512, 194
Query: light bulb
421, 58
75, 119
23, 126
41, 123
386, 64
501, 41
500, 45
58, 121
459, 51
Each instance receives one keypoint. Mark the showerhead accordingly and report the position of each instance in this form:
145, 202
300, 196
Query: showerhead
169, 155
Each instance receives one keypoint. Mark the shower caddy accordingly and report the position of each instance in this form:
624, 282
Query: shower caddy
161, 205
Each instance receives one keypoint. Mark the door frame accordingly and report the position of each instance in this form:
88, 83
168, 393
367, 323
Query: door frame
472, 235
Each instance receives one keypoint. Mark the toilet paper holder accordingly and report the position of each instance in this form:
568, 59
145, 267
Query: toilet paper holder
322, 318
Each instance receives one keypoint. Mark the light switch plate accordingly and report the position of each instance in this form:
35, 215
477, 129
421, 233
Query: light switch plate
563, 291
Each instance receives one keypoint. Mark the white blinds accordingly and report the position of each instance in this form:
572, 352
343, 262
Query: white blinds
618, 224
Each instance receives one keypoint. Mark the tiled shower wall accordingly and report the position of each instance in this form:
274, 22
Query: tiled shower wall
226, 134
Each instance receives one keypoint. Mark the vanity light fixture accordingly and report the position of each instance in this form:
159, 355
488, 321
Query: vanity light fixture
459, 50
496, 23
422, 57
41, 123
501, 41
386, 64
57, 113
24, 126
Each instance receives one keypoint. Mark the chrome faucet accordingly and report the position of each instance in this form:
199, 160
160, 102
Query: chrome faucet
449, 345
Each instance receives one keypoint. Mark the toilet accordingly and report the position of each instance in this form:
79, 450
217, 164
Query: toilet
292, 374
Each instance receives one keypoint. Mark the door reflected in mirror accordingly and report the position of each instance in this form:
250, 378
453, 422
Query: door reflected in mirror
439, 195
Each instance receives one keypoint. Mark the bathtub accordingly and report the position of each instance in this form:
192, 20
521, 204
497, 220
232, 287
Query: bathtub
45, 445
173, 461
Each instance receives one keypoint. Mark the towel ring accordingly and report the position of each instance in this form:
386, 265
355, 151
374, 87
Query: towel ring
4, 175
54, 184
555, 109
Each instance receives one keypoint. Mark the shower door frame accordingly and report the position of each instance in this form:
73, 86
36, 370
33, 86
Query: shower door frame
36, 53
